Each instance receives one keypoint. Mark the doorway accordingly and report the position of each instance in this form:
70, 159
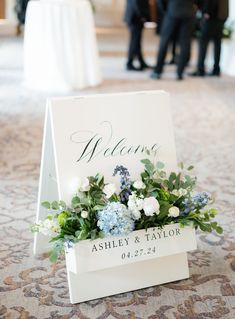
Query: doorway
2, 9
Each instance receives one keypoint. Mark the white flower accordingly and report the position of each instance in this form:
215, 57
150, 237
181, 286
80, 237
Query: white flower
109, 190
49, 227
135, 205
179, 192
173, 211
134, 202
80, 185
139, 185
151, 206
136, 214
84, 186
74, 184
84, 214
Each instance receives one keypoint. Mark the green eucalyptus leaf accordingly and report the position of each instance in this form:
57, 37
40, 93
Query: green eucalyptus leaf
46, 205
219, 229
149, 167
190, 168
160, 165
55, 205
101, 234
98, 207
94, 234
76, 201
62, 204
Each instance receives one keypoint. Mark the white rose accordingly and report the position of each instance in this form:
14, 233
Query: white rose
109, 190
84, 187
173, 211
151, 206
139, 185
84, 214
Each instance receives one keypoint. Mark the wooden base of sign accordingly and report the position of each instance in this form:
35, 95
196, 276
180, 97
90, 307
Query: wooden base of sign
111, 281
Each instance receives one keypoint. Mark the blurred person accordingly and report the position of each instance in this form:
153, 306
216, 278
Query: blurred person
136, 14
20, 9
179, 15
162, 8
215, 13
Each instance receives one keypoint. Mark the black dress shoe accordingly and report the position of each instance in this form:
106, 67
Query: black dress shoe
131, 67
214, 73
156, 76
197, 73
179, 77
144, 65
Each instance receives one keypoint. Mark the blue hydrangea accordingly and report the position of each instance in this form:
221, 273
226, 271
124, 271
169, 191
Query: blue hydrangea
115, 219
198, 201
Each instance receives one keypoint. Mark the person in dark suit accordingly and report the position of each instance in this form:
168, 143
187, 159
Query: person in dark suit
162, 8
215, 13
179, 15
136, 13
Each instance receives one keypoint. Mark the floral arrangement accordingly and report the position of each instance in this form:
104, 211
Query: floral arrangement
99, 209
228, 29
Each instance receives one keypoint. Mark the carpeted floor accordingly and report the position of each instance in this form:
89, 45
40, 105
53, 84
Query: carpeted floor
204, 123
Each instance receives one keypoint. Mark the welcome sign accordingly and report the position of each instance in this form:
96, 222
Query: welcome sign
87, 135
94, 134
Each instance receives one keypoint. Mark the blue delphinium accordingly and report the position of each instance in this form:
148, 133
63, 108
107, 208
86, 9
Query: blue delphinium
198, 201
125, 182
115, 219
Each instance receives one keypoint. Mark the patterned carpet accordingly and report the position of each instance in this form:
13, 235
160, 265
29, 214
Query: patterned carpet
204, 123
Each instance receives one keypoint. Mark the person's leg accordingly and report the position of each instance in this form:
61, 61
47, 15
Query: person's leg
133, 45
168, 28
185, 31
174, 43
203, 44
139, 52
218, 30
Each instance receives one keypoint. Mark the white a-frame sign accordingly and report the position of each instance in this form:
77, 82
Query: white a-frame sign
89, 134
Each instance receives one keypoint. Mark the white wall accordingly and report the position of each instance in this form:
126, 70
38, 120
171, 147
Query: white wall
109, 12
10, 12
232, 10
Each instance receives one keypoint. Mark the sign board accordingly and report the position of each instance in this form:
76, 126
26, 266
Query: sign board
87, 135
